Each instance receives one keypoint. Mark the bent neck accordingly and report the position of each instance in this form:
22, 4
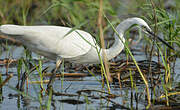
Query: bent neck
116, 48
118, 45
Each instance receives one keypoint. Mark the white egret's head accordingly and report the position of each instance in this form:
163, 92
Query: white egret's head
148, 30
140, 22
130, 22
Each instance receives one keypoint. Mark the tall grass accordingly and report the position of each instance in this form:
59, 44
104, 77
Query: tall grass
105, 67
82, 14
165, 23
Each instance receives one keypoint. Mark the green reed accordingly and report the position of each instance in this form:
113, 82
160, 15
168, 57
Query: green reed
64, 12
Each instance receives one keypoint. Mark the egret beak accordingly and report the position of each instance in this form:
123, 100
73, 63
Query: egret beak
151, 33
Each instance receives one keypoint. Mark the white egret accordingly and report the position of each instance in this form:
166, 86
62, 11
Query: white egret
57, 42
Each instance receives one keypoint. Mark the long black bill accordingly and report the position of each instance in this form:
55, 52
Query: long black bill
151, 33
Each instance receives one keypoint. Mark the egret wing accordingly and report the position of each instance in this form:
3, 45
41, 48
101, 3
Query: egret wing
11, 30
75, 44
48, 40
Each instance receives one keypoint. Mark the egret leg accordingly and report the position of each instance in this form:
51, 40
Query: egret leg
58, 63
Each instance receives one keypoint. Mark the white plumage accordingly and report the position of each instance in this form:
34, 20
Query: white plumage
58, 42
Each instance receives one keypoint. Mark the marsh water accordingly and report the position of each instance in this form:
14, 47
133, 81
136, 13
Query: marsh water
83, 91
73, 93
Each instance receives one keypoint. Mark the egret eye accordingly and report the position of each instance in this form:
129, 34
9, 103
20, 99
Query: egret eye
144, 27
